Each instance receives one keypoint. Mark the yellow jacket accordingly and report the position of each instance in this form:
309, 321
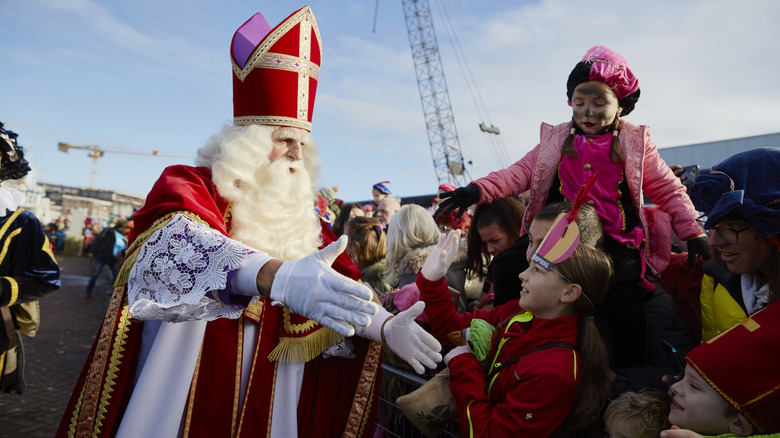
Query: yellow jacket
722, 306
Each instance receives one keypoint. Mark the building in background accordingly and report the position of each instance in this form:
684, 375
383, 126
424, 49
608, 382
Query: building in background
711, 153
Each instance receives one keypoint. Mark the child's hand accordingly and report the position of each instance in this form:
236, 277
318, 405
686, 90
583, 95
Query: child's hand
440, 259
459, 199
676, 432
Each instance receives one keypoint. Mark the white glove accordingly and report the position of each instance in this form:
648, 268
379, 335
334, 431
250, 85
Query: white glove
410, 342
311, 288
440, 259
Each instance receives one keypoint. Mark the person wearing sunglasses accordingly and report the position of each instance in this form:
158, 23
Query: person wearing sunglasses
741, 199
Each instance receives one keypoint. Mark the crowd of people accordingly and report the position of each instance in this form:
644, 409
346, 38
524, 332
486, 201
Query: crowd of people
548, 296
638, 325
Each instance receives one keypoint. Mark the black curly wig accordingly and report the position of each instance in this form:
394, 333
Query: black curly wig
12, 162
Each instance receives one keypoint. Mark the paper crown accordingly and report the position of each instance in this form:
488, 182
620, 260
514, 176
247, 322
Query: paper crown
741, 365
275, 72
564, 235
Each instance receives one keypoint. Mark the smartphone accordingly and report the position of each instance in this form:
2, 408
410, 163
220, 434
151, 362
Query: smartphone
690, 173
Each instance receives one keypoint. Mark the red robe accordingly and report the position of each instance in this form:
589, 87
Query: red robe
343, 391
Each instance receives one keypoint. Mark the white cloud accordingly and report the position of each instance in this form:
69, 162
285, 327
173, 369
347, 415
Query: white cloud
706, 68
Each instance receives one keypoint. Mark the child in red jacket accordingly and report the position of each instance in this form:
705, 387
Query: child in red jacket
547, 369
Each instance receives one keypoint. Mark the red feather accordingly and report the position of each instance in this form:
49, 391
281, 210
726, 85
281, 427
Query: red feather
580, 198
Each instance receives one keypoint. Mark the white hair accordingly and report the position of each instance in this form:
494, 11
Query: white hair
271, 207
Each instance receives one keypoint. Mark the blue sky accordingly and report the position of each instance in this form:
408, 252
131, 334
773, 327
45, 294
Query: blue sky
149, 75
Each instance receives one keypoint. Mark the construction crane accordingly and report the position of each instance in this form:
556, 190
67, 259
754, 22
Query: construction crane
96, 152
437, 109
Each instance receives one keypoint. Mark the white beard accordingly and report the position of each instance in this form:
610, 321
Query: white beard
272, 208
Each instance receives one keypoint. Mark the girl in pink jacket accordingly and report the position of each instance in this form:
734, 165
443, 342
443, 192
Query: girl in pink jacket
601, 89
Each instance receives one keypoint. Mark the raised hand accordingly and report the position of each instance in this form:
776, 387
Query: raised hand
461, 199
440, 259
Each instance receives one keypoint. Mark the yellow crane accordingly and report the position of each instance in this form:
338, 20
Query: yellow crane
96, 152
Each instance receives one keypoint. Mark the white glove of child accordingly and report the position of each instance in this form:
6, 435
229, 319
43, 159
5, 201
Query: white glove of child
310, 287
410, 342
440, 259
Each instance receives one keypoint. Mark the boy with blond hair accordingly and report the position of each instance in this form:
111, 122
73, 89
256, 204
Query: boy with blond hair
637, 414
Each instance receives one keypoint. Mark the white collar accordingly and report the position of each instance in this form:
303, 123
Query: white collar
10, 199
754, 294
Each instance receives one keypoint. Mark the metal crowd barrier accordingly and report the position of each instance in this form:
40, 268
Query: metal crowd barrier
396, 425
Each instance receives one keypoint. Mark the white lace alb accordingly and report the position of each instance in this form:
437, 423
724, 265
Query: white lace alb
176, 269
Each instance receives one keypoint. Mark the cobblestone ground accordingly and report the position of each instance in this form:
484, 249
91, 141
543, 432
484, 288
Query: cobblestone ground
69, 324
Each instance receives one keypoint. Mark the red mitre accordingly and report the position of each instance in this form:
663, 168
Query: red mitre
275, 80
742, 365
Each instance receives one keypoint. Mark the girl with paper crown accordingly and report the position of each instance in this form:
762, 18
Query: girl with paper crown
547, 368
602, 89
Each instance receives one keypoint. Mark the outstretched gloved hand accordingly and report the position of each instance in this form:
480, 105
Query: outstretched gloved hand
440, 259
410, 342
310, 287
461, 199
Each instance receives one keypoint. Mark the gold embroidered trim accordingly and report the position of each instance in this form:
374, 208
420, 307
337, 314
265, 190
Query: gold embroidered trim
361, 403
253, 311
272, 120
9, 221
304, 349
7, 243
14, 291
237, 385
75, 416
369, 403
87, 424
116, 356
132, 251
47, 248
258, 342
751, 325
301, 65
303, 16
271, 405
304, 52
291, 328
620, 204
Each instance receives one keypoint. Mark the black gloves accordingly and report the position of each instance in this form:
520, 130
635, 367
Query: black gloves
461, 199
697, 246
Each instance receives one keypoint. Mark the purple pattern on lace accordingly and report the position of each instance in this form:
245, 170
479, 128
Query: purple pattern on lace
179, 270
